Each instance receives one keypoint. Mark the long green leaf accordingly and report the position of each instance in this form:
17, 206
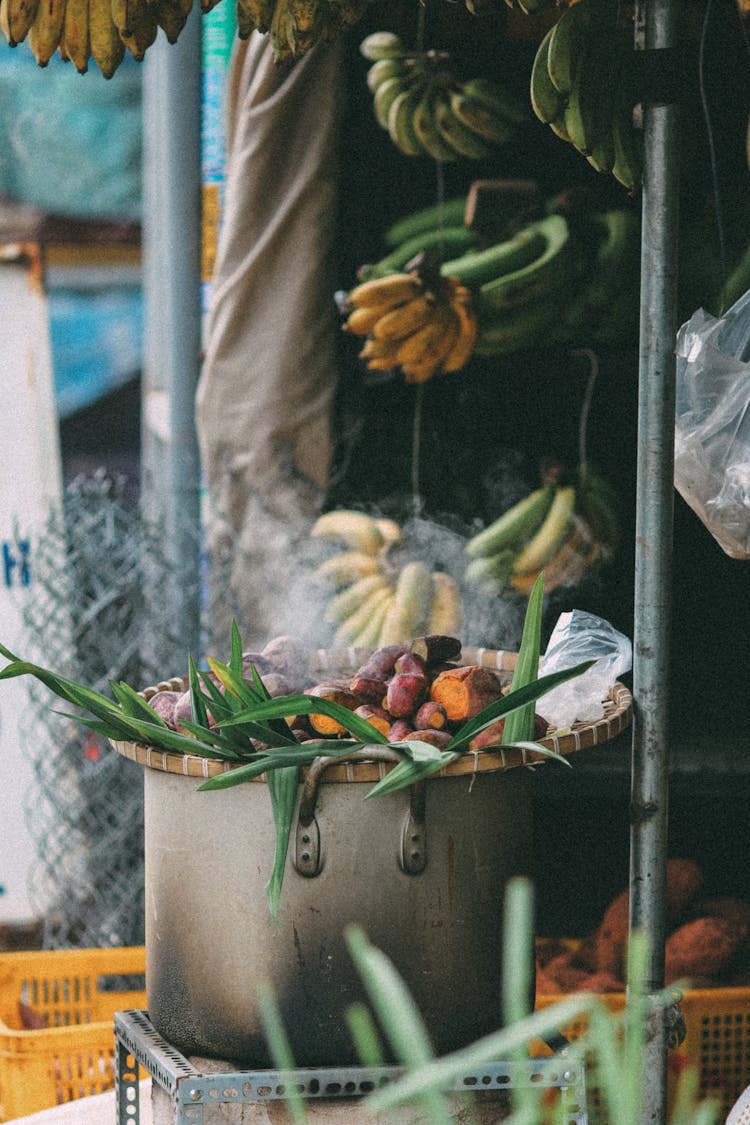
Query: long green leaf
519, 726
398, 1015
407, 772
198, 706
133, 704
281, 1051
282, 788
274, 759
284, 706
235, 649
497, 1045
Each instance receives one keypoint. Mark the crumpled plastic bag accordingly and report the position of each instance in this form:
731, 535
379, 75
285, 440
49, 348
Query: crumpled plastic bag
576, 637
712, 423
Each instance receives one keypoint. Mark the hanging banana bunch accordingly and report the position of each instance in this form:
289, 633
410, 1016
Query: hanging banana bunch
417, 321
583, 87
428, 111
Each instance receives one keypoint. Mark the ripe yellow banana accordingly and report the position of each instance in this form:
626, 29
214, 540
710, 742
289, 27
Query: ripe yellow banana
369, 635
362, 319
46, 31
76, 40
405, 319
432, 342
446, 608
107, 48
548, 538
463, 348
409, 610
390, 530
171, 16
16, 18
385, 291
344, 604
353, 625
351, 528
347, 567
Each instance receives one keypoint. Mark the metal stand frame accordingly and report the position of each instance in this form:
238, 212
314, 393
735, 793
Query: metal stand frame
138, 1042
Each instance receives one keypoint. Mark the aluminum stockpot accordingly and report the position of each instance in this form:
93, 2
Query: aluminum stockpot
421, 871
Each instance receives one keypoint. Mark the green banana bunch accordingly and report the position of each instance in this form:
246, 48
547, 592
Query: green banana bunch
561, 530
603, 310
582, 86
428, 111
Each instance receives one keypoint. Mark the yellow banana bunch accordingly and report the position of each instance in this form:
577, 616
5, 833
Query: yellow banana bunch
105, 29
375, 593
428, 111
425, 327
583, 87
560, 530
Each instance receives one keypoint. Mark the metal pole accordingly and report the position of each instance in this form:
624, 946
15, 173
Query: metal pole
171, 251
654, 519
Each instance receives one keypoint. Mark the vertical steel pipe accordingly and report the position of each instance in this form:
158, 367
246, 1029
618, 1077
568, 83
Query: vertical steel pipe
171, 251
654, 517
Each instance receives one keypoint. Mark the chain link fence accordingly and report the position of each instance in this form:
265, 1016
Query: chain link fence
93, 620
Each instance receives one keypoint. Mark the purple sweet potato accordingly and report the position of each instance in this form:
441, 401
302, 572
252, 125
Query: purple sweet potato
406, 691
164, 703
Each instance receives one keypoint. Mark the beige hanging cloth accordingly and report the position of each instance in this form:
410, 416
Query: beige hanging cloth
265, 396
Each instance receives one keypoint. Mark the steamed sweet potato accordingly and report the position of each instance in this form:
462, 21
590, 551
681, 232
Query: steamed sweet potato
323, 725
493, 734
410, 663
465, 691
439, 738
436, 648
376, 716
370, 689
430, 716
400, 729
404, 694
164, 703
380, 663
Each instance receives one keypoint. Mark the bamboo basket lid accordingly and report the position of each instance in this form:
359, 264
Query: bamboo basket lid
581, 736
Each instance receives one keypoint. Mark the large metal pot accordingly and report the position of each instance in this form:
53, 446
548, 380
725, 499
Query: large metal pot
422, 872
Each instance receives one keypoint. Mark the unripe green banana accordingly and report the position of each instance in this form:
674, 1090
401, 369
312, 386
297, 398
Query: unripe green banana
480, 118
478, 266
459, 136
547, 273
546, 100
382, 69
426, 129
448, 213
497, 100
385, 94
514, 526
546, 540
400, 122
382, 45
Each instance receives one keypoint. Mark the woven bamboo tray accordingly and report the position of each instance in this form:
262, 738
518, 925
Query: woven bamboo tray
581, 736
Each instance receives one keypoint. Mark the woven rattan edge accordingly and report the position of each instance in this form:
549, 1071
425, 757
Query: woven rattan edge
581, 736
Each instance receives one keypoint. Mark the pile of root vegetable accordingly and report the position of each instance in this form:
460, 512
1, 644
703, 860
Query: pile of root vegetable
415, 690
707, 944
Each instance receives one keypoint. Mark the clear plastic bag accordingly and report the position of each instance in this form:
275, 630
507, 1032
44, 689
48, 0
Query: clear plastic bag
576, 637
712, 423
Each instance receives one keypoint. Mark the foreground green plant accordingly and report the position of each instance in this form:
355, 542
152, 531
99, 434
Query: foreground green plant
611, 1048
244, 715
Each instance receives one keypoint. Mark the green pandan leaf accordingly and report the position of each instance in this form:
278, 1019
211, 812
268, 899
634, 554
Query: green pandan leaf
284, 706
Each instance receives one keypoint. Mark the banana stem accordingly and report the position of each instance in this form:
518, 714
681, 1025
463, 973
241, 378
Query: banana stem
588, 396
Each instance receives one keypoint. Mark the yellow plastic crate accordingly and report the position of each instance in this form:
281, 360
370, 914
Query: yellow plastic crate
56, 1023
717, 1043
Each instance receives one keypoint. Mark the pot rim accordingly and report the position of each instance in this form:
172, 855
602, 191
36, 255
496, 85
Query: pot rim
581, 736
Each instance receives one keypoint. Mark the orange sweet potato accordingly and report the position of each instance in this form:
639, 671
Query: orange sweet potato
370, 689
376, 716
465, 691
430, 715
323, 725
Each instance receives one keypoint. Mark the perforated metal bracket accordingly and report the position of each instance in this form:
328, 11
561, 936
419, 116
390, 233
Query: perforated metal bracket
190, 1089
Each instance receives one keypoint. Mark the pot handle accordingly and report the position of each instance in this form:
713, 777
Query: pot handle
412, 850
